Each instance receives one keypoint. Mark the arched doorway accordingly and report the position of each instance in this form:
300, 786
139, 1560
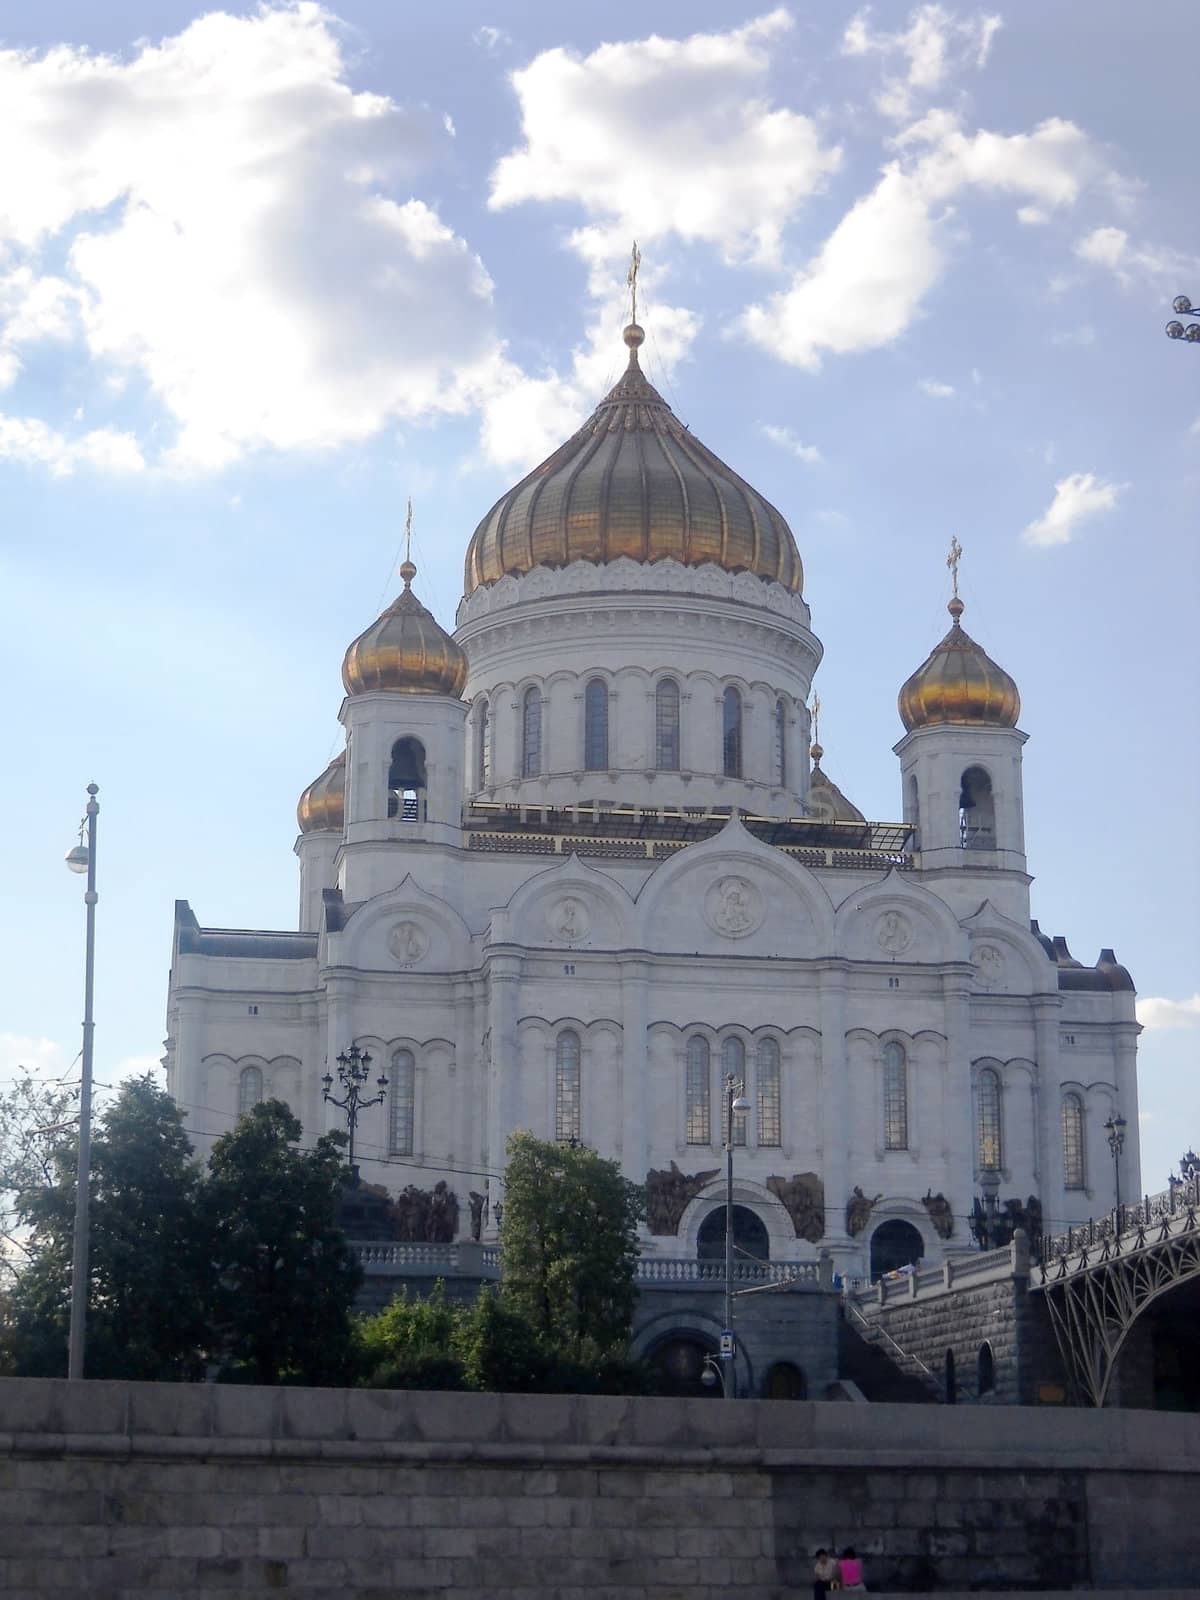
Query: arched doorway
751, 1242
785, 1381
895, 1244
678, 1366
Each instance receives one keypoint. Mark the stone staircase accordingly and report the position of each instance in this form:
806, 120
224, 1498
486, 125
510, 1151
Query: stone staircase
881, 1370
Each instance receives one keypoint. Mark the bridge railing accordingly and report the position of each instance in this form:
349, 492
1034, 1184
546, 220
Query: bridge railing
1178, 1199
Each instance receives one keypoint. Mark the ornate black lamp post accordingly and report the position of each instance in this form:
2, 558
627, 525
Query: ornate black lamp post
1183, 307
1115, 1129
354, 1068
986, 1222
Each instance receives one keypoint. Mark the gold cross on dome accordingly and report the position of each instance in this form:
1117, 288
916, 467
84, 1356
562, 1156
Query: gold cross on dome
408, 532
952, 561
816, 719
635, 261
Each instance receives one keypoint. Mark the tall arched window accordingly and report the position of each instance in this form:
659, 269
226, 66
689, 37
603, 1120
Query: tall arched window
406, 781
531, 734
731, 732
895, 1097
403, 1090
483, 747
766, 1080
1074, 1171
991, 1138
699, 1090
976, 811
733, 1065
250, 1089
666, 726
780, 743
985, 1370
566, 1087
595, 726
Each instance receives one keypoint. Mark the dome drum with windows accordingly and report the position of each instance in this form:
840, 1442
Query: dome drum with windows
633, 482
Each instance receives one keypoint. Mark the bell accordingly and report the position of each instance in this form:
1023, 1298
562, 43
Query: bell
965, 802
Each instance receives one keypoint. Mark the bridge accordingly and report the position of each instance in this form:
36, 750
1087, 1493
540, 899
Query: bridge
1097, 1279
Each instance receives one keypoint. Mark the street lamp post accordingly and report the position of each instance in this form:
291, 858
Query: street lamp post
82, 858
1115, 1129
354, 1067
1183, 307
735, 1100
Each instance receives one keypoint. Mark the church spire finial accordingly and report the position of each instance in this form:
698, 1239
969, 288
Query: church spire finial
633, 335
814, 749
407, 570
956, 607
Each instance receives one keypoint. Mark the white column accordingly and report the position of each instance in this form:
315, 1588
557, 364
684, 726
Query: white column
1125, 1046
1046, 1010
339, 1035
504, 1082
959, 1131
835, 1110
634, 1069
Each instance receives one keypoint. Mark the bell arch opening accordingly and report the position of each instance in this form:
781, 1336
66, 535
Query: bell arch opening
976, 811
406, 781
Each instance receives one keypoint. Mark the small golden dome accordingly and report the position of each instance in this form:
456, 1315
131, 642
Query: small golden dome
405, 649
323, 803
633, 482
825, 799
959, 682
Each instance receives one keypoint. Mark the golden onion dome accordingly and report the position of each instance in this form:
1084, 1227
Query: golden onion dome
323, 803
405, 649
825, 799
633, 482
959, 682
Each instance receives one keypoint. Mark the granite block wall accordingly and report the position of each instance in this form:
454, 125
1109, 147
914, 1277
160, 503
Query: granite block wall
142, 1490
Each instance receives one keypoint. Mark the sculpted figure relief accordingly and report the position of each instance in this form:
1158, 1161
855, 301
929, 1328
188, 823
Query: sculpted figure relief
893, 933
858, 1211
478, 1205
803, 1197
989, 965
733, 907
940, 1213
668, 1192
569, 919
427, 1216
407, 942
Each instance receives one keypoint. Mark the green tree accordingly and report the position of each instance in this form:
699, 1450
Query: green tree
570, 1244
285, 1276
412, 1344
149, 1273
35, 1117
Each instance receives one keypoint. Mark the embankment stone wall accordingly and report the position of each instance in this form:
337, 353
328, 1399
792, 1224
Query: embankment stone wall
150, 1491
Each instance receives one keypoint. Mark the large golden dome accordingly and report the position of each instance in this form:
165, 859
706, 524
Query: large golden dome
633, 482
959, 682
323, 803
405, 649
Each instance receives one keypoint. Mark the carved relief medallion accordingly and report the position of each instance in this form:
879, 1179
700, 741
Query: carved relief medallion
733, 908
989, 964
569, 920
408, 942
893, 933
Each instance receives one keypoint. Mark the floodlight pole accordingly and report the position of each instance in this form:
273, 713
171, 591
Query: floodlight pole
79, 1250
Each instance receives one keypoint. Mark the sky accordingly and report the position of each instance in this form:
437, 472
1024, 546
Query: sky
265, 272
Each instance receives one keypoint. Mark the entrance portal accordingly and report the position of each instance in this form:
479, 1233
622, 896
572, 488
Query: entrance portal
751, 1242
895, 1244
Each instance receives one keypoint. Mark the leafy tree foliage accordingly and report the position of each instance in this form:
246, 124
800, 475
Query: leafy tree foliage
149, 1269
285, 1279
570, 1245
34, 1116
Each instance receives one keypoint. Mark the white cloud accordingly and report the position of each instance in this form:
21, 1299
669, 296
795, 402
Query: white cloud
1077, 499
1112, 248
31, 441
489, 38
1153, 1012
790, 441
21, 1052
935, 45
657, 136
864, 286
227, 207
936, 390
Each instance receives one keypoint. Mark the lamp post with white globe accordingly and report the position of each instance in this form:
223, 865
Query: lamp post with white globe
82, 858
1183, 307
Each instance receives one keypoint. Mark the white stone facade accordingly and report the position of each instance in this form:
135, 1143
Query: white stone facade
589, 973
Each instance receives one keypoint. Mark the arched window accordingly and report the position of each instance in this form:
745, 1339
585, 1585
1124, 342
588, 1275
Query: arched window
780, 743
895, 1097
1074, 1173
733, 1065
666, 726
731, 733
976, 811
985, 1371
991, 1137
566, 1087
403, 1090
531, 734
483, 747
406, 781
250, 1089
766, 1078
595, 726
699, 1091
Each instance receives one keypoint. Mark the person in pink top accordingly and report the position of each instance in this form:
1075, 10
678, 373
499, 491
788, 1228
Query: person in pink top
850, 1568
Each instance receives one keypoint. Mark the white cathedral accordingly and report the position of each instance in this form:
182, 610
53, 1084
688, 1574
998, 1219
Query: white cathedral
578, 864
